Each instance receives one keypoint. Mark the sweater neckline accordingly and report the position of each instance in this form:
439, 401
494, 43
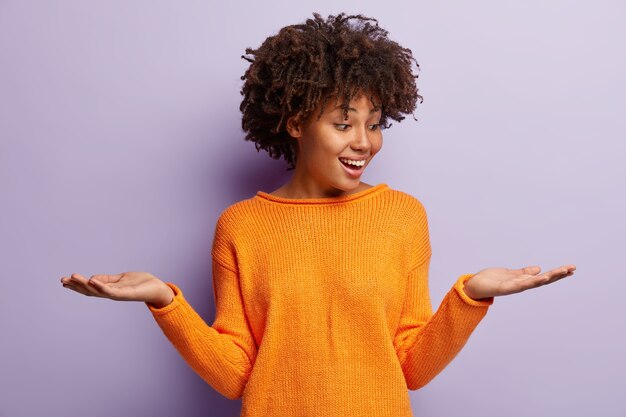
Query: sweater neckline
375, 189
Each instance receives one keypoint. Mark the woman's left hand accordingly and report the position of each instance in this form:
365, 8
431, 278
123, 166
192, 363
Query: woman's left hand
493, 282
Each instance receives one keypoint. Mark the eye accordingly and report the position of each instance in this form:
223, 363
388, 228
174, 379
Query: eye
375, 126
341, 126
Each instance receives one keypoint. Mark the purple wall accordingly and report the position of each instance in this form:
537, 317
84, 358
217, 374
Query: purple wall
120, 143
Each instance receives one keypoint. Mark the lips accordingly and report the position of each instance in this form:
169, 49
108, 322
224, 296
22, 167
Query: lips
356, 162
353, 167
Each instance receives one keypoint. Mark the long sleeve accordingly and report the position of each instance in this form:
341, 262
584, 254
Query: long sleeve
427, 342
222, 354
322, 307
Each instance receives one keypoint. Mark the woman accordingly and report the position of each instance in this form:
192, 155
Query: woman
321, 286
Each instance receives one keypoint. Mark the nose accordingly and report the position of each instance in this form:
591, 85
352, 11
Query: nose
361, 141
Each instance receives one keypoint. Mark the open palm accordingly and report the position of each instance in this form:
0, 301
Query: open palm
127, 286
493, 282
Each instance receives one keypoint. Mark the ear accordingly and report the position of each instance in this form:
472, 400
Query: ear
294, 127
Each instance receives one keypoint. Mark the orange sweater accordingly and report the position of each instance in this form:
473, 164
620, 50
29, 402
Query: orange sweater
322, 307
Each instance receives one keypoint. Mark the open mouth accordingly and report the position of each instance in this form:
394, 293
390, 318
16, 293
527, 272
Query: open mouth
353, 166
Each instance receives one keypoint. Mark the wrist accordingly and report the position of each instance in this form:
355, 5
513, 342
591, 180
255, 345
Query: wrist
166, 297
469, 291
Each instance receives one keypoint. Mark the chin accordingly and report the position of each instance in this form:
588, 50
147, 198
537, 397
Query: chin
348, 186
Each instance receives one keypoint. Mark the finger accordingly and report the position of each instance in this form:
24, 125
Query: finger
533, 281
556, 278
552, 276
105, 290
519, 284
78, 279
78, 289
560, 270
107, 278
82, 285
565, 268
529, 270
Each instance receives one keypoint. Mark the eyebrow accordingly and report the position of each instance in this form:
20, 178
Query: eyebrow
374, 110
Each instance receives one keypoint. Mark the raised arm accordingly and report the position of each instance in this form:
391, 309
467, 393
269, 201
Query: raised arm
426, 342
222, 354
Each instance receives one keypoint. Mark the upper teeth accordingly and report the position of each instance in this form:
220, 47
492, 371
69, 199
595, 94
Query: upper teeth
351, 162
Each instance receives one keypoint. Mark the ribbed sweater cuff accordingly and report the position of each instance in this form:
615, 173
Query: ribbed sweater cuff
176, 302
460, 284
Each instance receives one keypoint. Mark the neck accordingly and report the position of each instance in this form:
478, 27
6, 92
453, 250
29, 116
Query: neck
300, 186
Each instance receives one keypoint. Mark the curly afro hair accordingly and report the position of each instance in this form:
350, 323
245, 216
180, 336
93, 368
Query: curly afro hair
299, 69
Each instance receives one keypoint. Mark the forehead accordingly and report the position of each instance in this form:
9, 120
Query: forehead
363, 103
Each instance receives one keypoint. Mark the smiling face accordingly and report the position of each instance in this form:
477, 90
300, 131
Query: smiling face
334, 151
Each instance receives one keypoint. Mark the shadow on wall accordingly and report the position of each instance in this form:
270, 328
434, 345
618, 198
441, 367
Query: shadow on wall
252, 171
205, 401
235, 177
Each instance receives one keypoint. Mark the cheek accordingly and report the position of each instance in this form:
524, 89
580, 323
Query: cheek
377, 144
311, 152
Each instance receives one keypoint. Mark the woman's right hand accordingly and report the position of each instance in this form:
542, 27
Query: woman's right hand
127, 286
